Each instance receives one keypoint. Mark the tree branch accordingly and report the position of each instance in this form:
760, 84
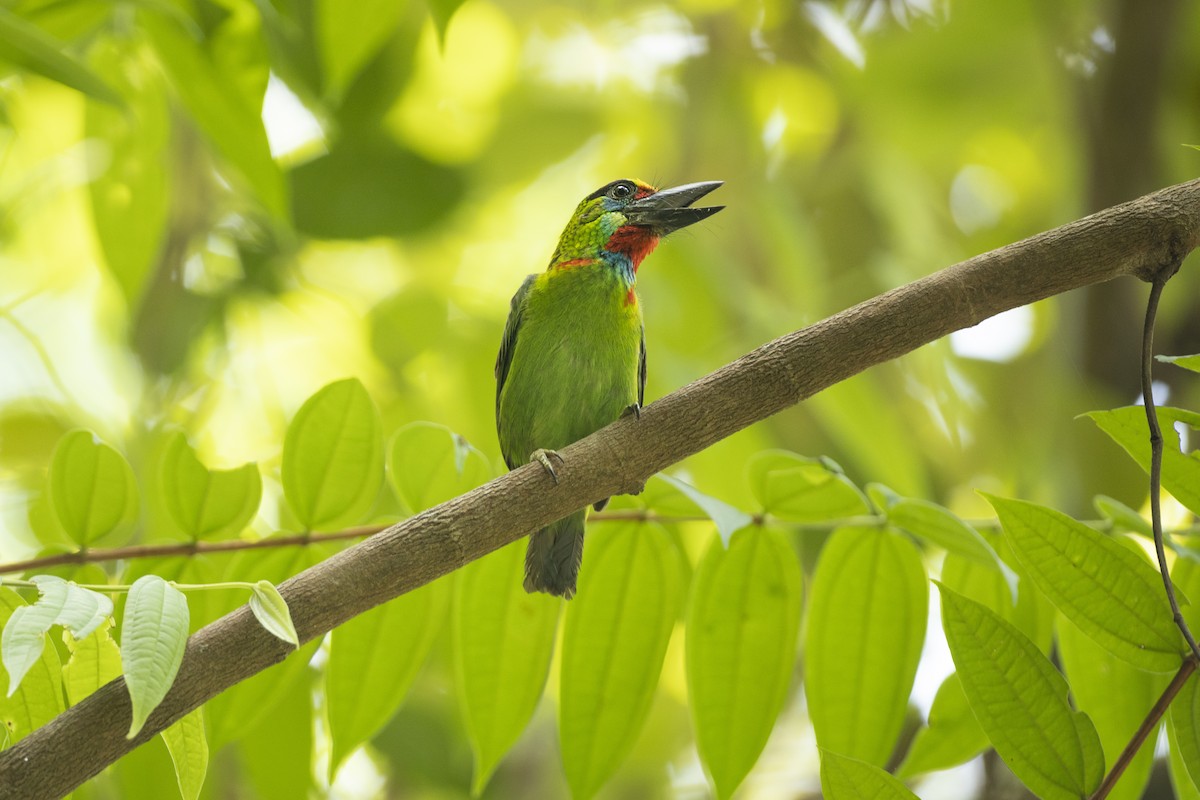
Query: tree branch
1137, 238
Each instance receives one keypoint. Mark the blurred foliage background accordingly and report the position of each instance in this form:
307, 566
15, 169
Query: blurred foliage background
280, 193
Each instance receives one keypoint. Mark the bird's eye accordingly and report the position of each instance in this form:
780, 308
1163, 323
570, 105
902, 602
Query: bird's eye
620, 191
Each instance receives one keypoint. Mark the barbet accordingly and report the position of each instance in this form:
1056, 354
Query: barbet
573, 357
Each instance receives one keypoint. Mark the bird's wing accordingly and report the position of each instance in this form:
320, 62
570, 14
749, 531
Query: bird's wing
642, 370
508, 346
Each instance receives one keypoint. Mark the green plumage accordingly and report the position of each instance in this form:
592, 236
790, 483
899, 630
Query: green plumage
573, 356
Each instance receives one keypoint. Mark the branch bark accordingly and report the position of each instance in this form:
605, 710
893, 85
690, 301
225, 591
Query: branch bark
1138, 238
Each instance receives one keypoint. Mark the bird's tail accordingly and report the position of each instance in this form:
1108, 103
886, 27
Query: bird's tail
553, 557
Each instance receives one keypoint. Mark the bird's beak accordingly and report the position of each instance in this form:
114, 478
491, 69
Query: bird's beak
669, 210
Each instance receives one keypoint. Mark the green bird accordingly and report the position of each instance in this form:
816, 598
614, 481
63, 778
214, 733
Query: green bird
573, 357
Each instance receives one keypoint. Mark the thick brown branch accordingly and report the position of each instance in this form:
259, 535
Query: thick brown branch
1136, 238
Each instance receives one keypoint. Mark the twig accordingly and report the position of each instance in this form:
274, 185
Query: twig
1153, 717
1156, 451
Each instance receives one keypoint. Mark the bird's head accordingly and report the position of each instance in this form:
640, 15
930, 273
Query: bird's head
622, 222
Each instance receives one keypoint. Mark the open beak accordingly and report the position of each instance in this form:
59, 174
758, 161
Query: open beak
669, 210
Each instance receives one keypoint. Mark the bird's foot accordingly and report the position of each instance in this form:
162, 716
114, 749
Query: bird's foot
633, 409
543, 457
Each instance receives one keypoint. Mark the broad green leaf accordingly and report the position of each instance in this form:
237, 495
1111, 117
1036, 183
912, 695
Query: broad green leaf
1185, 725
1181, 780
871, 600
271, 611
1020, 700
285, 738
1120, 514
40, 697
83, 610
92, 488
614, 640
1180, 472
1116, 696
728, 519
429, 464
24, 635
203, 503
1109, 591
219, 109
333, 456
1191, 362
798, 489
188, 747
373, 660
154, 633
1031, 613
952, 737
348, 34
845, 778
942, 528
28, 46
503, 638
442, 12
741, 646
95, 660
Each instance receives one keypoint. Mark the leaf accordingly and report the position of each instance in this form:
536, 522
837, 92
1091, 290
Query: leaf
24, 635
333, 456
614, 640
206, 504
1116, 696
845, 778
188, 747
220, 109
153, 636
942, 528
92, 488
26, 45
1180, 472
1109, 591
349, 34
1181, 780
798, 489
1122, 515
1185, 725
1191, 362
442, 12
1031, 613
1020, 700
429, 464
952, 737
728, 519
373, 660
741, 647
40, 697
83, 611
863, 645
95, 660
289, 740
271, 611
503, 638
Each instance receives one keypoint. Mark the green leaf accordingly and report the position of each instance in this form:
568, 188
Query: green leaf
614, 640
153, 636
1020, 700
798, 489
286, 738
40, 697
1116, 697
741, 647
1191, 362
188, 747
845, 778
26, 45
952, 737
95, 660
1180, 471
271, 611
1181, 779
442, 12
206, 504
349, 34
220, 109
942, 528
1122, 515
1031, 613
864, 642
83, 610
24, 635
333, 456
503, 638
429, 464
373, 660
92, 488
1185, 723
728, 519
1109, 591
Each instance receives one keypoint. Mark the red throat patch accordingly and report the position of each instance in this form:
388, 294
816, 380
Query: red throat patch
632, 241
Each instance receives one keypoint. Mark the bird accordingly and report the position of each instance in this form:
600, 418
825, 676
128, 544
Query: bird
573, 355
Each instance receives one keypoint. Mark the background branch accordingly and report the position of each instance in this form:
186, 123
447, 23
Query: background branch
1137, 238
